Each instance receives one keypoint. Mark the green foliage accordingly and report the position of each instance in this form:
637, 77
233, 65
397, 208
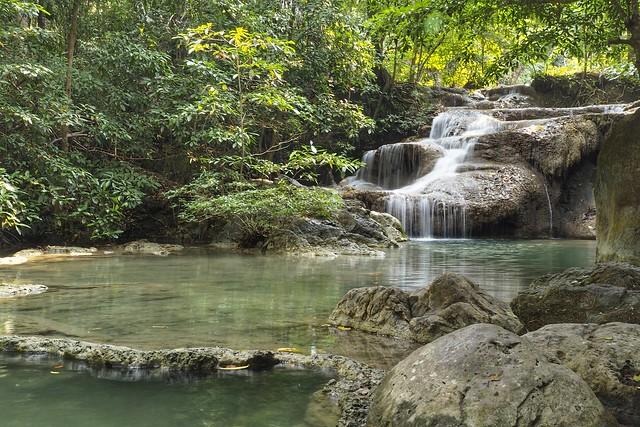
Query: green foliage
13, 210
303, 164
260, 212
209, 95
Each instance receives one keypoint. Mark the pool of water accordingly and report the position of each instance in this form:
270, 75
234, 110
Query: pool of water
56, 396
207, 298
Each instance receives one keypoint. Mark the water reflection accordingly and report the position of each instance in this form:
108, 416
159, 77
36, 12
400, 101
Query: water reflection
33, 394
203, 298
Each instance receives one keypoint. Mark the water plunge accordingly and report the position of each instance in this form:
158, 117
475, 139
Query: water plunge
423, 196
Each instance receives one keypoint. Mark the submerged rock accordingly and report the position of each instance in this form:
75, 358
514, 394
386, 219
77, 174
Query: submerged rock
608, 292
607, 357
451, 302
484, 375
350, 390
144, 247
10, 290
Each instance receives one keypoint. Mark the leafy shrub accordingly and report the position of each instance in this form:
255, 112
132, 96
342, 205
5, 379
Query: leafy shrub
260, 212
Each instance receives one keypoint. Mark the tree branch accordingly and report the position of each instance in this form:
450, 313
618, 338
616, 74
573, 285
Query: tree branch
613, 42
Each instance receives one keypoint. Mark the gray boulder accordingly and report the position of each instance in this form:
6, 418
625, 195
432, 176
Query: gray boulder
483, 375
451, 302
353, 231
145, 247
607, 357
608, 292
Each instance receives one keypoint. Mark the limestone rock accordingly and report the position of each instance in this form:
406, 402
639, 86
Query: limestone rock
618, 194
451, 302
144, 247
11, 290
483, 375
607, 357
47, 252
608, 292
354, 231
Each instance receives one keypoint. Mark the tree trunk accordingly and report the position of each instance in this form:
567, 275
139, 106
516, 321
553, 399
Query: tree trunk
68, 84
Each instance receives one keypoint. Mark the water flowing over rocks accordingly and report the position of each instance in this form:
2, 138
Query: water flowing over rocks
607, 357
618, 193
8, 290
506, 166
350, 390
608, 292
451, 302
484, 375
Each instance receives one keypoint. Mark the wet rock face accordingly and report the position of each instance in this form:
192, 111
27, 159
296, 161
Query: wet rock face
483, 375
607, 357
618, 193
396, 165
608, 292
451, 302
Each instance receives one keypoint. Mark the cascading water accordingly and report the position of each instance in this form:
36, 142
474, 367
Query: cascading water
429, 206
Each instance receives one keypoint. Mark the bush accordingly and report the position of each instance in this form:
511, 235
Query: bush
260, 212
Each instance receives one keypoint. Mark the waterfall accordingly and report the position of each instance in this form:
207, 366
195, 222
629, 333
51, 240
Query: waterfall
427, 206
546, 190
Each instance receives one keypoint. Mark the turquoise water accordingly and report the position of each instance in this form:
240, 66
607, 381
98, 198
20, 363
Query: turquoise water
31, 395
208, 298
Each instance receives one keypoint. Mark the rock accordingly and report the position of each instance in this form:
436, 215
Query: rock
350, 388
354, 231
395, 165
13, 260
607, 357
608, 292
617, 193
530, 176
484, 375
451, 302
10, 291
27, 255
145, 247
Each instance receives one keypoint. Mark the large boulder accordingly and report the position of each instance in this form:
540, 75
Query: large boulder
608, 292
145, 247
451, 302
353, 231
483, 375
617, 193
607, 357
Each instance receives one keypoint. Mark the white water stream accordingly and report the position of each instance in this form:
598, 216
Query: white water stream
428, 197
428, 206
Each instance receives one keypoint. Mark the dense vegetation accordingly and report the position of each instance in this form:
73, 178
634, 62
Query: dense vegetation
104, 104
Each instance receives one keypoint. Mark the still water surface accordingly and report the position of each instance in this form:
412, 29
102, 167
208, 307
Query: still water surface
207, 298
31, 395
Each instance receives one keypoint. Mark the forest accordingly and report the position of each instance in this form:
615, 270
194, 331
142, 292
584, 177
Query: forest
109, 107
320, 213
